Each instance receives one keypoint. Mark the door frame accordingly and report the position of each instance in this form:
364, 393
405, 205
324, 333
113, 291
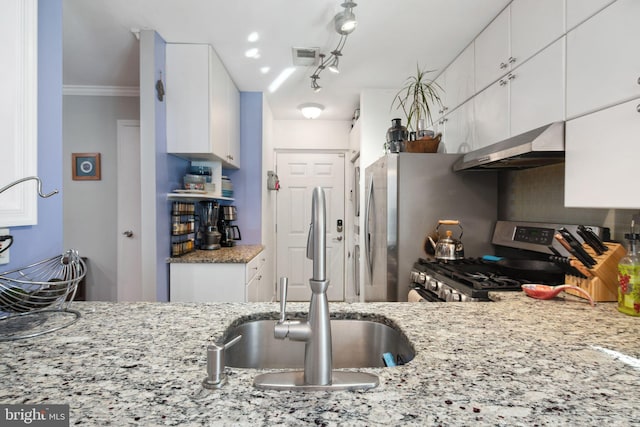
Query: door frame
347, 221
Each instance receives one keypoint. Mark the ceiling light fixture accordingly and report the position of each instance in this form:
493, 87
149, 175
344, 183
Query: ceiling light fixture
253, 37
311, 110
252, 53
344, 22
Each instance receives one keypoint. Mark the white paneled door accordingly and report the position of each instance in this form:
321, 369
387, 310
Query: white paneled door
299, 174
129, 271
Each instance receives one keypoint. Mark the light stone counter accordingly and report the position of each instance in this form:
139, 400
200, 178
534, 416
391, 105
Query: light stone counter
515, 362
240, 254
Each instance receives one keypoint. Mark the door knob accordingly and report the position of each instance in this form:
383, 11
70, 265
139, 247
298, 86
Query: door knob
339, 238
127, 233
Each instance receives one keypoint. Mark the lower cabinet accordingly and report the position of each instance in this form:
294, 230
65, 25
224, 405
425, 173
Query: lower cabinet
217, 282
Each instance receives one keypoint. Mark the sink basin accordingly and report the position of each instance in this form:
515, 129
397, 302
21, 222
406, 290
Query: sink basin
356, 343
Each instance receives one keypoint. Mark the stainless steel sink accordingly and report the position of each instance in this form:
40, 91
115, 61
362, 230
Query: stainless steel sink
355, 343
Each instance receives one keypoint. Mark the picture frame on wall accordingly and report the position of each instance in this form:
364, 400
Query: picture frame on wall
85, 166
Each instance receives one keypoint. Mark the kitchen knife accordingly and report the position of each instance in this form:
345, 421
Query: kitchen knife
594, 237
565, 264
569, 248
589, 241
577, 247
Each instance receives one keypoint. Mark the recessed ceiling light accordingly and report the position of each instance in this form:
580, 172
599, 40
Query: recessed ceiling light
252, 53
253, 37
265, 70
282, 77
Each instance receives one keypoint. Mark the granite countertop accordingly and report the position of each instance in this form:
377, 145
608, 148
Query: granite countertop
240, 254
515, 362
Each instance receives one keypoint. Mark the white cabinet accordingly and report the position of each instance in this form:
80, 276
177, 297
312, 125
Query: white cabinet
603, 65
602, 158
537, 90
457, 130
492, 51
217, 282
530, 96
581, 10
518, 32
455, 85
534, 25
491, 108
203, 106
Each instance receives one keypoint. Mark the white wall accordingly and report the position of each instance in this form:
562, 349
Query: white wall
311, 134
89, 207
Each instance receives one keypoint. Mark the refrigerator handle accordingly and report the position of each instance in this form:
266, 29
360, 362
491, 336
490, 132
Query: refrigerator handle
367, 231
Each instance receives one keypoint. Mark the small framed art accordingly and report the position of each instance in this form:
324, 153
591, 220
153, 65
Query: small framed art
85, 166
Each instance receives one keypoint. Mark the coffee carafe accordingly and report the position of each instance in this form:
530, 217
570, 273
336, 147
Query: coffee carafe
230, 233
210, 237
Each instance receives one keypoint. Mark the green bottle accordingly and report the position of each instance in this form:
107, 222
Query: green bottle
629, 276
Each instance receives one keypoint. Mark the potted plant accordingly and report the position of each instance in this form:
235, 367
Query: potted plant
417, 98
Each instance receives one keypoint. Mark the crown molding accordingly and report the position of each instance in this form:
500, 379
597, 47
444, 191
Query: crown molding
85, 90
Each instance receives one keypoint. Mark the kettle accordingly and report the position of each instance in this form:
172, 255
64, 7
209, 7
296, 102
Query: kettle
447, 248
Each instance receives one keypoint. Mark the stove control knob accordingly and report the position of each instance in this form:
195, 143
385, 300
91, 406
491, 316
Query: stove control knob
453, 296
434, 285
414, 276
422, 278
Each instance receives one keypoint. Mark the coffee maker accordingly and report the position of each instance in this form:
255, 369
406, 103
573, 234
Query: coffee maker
230, 233
210, 237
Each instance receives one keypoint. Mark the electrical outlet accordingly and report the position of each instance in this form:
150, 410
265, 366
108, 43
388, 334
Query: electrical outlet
4, 256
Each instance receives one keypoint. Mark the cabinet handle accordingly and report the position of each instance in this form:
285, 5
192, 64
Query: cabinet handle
639, 80
511, 76
512, 60
503, 65
638, 108
503, 82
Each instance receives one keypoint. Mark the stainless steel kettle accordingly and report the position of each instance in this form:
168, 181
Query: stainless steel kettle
447, 247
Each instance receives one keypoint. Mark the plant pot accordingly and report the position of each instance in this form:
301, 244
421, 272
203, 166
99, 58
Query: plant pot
424, 145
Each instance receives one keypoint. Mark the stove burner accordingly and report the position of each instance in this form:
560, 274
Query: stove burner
468, 279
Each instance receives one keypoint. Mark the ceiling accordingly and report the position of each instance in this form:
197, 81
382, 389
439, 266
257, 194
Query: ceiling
100, 49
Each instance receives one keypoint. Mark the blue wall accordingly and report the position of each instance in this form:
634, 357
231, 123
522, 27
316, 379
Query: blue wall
247, 181
44, 240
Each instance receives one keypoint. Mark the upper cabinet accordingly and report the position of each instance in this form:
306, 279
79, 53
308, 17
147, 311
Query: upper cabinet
520, 31
580, 10
203, 106
603, 65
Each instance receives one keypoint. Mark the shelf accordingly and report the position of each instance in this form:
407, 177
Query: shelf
197, 196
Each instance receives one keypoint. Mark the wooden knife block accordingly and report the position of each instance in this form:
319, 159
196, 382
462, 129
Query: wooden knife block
603, 286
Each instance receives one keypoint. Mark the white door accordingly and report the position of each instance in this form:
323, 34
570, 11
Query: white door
129, 271
299, 174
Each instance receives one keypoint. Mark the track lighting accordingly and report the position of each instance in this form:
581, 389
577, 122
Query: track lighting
345, 22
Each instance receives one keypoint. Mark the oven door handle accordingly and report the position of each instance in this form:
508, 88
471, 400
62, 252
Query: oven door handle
367, 231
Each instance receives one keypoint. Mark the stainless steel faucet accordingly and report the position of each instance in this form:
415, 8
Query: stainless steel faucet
316, 330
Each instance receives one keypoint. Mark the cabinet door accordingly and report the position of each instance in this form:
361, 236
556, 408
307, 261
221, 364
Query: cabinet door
491, 111
234, 125
458, 136
537, 91
580, 10
534, 24
492, 51
192, 282
219, 110
601, 158
460, 79
187, 82
603, 65
441, 110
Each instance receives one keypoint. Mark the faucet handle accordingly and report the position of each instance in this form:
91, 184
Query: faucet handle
284, 284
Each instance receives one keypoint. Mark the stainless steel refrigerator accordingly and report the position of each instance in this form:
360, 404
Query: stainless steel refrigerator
406, 195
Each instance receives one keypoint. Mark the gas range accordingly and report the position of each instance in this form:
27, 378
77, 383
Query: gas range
472, 279
466, 280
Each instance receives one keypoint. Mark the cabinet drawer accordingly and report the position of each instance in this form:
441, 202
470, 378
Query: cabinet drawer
252, 267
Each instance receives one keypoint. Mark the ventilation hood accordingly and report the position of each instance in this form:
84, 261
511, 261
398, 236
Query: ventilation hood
538, 147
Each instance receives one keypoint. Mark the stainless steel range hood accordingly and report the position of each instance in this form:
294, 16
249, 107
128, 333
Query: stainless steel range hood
538, 147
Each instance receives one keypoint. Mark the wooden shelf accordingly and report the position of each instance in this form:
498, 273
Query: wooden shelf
197, 196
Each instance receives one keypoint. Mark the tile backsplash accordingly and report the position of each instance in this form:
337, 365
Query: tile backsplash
537, 194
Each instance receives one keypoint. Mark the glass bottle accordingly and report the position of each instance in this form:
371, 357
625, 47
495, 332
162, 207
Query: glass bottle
629, 276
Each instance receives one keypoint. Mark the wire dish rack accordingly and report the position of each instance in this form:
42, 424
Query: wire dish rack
35, 300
